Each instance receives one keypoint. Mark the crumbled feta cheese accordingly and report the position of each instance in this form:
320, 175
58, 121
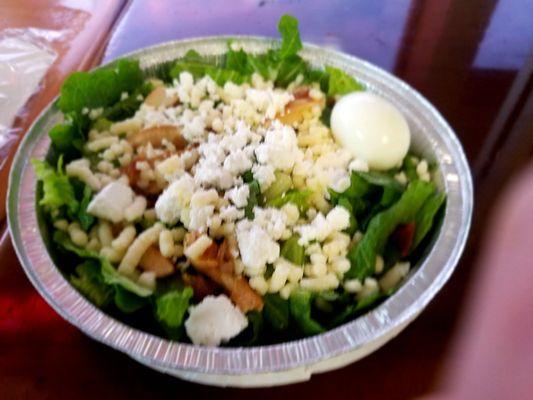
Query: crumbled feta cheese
282, 269
272, 220
231, 213
280, 148
237, 162
171, 168
264, 175
268, 101
338, 218
321, 227
214, 320
239, 195
111, 202
194, 129
174, 199
256, 247
199, 218
339, 180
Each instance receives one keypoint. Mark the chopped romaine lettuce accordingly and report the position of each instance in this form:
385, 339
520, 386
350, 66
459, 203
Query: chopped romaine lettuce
281, 185
426, 216
276, 312
109, 273
86, 220
88, 280
170, 308
363, 256
128, 302
254, 199
68, 138
300, 307
290, 36
300, 198
57, 189
292, 251
340, 82
100, 88
409, 167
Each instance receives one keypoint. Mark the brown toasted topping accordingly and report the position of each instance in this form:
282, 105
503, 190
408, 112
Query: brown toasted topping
217, 263
156, 97
201, 285
301, 92
297, 108
155, 136
134, 175
154, 261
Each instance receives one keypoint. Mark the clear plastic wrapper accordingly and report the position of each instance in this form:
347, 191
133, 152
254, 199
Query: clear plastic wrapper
25, 57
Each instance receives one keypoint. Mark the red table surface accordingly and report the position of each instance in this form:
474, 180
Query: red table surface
465, 57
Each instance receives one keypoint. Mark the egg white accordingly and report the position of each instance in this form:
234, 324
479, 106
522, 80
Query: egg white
372, 129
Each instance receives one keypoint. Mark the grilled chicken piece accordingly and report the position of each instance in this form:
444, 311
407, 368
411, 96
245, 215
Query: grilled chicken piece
201, 285
218, 264
154, 261
155, 136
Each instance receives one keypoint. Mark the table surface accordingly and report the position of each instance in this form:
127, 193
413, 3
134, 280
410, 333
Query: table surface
467, 58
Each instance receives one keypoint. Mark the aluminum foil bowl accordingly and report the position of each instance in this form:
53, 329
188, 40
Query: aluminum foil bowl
264, 365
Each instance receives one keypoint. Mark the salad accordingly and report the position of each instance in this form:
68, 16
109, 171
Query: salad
244, 200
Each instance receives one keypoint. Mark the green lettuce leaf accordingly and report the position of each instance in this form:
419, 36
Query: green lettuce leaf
359, 187
426, 216
126, 108
409, 168
252, 333
276, 311
128, 302
300, 308
363, 256
290, 36
359, 307
194, 63
237, 60
255, 327
254, 199
300, 198
377, 178
292, 251
281, 185
110, 275
100, 88
88, 280
57, 188
340, 83
113, 277
170, 308
68, 138
86, 219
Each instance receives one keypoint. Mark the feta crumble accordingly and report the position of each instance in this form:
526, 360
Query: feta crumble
214, 320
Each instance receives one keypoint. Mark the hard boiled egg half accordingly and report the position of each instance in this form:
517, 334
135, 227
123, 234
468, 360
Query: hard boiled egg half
371, 128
